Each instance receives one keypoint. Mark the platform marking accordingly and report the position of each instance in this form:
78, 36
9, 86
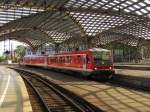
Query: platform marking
4, 92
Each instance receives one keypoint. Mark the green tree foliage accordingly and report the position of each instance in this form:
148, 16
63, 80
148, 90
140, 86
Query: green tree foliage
2, 58
19, 51
146, 51
125, 53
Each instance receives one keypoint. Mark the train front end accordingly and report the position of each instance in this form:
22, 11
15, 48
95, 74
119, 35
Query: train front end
102, 63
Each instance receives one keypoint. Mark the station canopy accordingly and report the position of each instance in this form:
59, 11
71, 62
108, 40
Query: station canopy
71, 23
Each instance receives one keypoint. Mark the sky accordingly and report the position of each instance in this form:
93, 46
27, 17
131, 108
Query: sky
7, 46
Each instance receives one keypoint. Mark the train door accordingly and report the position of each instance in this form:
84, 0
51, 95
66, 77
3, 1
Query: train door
84, 61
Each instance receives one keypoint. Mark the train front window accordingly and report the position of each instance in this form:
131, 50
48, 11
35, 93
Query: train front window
102, 58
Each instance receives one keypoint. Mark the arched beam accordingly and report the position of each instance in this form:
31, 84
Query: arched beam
21, 40
27, 33
23, 35
22, 22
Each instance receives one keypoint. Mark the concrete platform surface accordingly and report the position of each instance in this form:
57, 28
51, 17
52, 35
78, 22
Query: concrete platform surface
135, 78
136, 73
13, 93
136, 65
133, 67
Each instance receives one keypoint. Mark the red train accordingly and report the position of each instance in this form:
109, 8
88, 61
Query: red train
93, 62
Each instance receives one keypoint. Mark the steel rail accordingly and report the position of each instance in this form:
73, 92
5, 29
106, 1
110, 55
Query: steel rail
46, 109
76, 101
55, 90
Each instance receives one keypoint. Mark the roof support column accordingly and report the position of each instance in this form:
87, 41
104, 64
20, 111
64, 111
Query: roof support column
89, 42
34, 50
138, 52
57, 47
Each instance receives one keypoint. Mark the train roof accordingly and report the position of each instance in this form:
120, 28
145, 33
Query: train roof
32, 55
98, 49
72, 52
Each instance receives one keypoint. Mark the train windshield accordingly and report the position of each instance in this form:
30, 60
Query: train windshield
102, 58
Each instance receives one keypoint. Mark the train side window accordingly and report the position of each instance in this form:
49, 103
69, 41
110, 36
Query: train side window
67, 59
53, 59
50, 59
70, 59
78, 59
56, 59
63, 59
60, 59
88, 59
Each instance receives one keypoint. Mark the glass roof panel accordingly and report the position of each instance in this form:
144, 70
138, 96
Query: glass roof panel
84, 17
13, 13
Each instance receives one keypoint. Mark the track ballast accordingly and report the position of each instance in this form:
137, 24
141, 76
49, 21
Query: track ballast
54, 98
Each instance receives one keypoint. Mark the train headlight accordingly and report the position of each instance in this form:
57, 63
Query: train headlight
110, 67
95, 68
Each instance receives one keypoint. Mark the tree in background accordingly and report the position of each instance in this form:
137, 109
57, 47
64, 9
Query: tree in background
124, 53
19, 51
2, 58
146, 52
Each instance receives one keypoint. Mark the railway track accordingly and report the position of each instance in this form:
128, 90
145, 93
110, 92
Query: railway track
115, 80
52, 97
106, 96
37, 106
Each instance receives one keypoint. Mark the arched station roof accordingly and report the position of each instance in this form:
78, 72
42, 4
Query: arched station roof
71, 23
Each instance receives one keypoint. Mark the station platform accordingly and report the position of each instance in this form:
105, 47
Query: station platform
13, 93
135, 75
131, 66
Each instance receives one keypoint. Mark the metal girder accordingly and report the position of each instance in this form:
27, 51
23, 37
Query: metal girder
108, 37
24, 40
139, 29
53, 23
67, 21
29, 36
